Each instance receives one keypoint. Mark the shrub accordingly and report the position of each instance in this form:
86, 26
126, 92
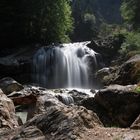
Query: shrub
132, 42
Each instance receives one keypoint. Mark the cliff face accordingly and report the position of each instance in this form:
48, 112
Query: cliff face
90, 14
104, 10
108, 10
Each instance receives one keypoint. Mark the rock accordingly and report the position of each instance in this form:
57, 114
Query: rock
18, 63
91, 104
121, 103
25, 101
64, 122
107, 47
56, 121
106, 76
7, 112
125, 74
30, 133
129, 72
136, 123
80, 95
9, 85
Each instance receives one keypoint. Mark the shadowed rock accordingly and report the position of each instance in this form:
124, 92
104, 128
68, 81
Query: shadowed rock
9, 85
121, 103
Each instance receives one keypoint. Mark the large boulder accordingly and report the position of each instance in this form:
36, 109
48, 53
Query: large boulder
129, 72
8, 117
91, 104
123, 74
106, 75
17, 62
9, 85
61, 122
121, 103
107, 47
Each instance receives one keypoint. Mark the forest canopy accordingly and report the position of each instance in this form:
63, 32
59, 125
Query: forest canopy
35, 21
47, 21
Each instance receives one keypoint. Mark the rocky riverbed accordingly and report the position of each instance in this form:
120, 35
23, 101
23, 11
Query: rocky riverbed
111, 113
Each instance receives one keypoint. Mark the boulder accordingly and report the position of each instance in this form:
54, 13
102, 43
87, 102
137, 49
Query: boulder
8, 117
17, 63
80, 95
123, 74
121, 103
25, 101
64, 122
107, 75
107, 47
129, 72
9, 85
91, 104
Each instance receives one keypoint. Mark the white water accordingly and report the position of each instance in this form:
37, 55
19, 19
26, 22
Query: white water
63, 66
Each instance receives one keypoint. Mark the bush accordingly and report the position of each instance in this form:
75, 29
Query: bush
132, 42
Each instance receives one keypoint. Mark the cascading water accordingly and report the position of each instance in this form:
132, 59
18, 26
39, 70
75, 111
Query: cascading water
63, 66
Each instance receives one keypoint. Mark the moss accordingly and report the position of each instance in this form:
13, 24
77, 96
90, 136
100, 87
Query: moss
137, 89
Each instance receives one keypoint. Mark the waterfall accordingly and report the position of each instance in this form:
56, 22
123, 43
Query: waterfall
63, 66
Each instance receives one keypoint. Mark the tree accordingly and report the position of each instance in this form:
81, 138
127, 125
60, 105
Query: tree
97, 12
35, 21
130, 12
58, 22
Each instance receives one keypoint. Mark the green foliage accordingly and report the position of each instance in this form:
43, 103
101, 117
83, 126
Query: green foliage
106, 29
110, 29
137, 89
58, 21
35, 20
130, 12
132, 42
127, 12
90, 18
90, 14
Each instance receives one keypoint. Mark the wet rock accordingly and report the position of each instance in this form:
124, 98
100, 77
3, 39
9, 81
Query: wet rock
8, 117
66, 99
79, 95
9, 85
121, 103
